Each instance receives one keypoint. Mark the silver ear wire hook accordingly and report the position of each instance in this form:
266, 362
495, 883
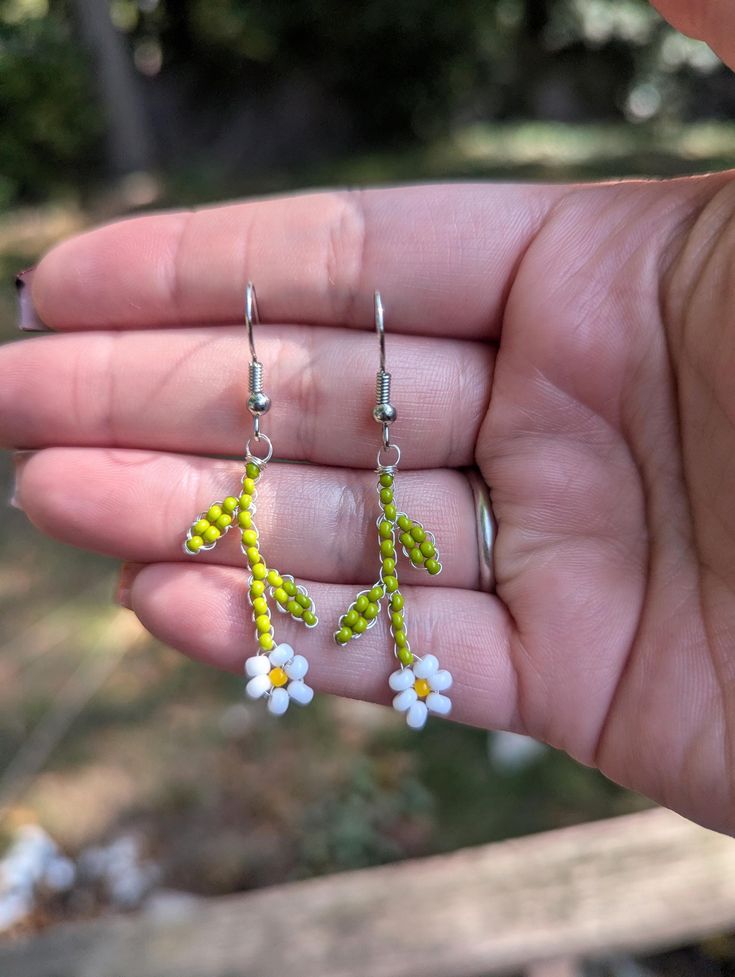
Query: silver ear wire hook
384, 412
259, 403
251, 315
380, 327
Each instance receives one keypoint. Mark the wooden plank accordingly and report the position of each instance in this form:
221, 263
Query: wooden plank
639, 883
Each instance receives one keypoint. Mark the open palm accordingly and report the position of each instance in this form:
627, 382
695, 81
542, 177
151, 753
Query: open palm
574, 343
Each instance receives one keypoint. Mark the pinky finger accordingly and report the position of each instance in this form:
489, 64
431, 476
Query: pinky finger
203, 612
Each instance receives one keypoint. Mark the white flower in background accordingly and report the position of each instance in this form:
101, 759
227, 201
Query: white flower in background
32, 862
278, 677
420, 690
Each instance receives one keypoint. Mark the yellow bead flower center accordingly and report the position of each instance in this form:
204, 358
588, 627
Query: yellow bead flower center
421, 686
278, 677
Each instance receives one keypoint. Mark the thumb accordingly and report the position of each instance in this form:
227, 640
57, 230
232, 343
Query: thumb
712, 21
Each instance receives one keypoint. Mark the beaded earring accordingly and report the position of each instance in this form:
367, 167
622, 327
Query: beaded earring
419, 683
274, 672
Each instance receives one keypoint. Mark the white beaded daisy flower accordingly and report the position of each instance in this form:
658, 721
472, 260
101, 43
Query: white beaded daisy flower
279, 678
419, 690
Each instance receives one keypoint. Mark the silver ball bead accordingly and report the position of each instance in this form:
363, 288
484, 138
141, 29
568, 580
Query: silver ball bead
259, 403
385, 413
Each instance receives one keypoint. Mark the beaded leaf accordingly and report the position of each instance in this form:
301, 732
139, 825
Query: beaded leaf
265, 582
418, 546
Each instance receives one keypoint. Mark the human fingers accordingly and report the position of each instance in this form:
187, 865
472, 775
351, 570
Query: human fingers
202, 611
712, 21
316, 523
442, 256
186, 390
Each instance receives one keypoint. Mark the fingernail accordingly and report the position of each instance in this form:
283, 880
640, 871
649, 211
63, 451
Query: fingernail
123, 594
19, 461
28, 320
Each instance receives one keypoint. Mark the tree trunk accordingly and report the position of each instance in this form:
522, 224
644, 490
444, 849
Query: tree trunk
129, 142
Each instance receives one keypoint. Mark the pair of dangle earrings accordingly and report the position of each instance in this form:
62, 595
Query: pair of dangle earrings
275, 672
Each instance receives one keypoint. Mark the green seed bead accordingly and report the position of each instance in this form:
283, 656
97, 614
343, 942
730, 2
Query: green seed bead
212, 534
257, 588
418, 533
263, 623
214, 512
427, 548
400, 639
303, 600
386, 495
407, 540
259, 571
248, 486
371, 612
194, 544
260, 606
405, 656
249, 538
390, 512
361, 603
253, 555
281, 596
376, 594
416, 556
391, 584
433, 566
309, 619
290, 587
224, 521
244, 520
386, 529
396, 619
360, 626
350, 618
245, 501
274, 578
266, 642
387, 548
230, 504
404, 523
343, 636
252, 470
200, 527
396, 602
386, 479
295, 609
389, 566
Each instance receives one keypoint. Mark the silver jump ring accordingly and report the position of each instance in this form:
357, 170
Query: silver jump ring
384, 449
486, 528
269, 454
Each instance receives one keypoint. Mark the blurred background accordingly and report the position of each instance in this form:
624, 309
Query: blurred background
127, 772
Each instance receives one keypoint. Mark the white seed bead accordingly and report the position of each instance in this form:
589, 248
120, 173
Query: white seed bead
297, 667
300, 692
416, 715
402, 679
280, 655
278, 702
440, 681
258, 686
426, 667
257, 665
440, 704
404, 700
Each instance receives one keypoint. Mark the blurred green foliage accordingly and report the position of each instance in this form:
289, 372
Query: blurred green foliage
51, 129
233, 87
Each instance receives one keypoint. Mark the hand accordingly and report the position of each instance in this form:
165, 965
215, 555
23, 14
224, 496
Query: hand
577, 343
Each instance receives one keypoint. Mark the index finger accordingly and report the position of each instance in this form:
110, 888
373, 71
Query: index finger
442, 256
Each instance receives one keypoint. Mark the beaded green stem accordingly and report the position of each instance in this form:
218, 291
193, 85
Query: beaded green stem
264, 582
418, 546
